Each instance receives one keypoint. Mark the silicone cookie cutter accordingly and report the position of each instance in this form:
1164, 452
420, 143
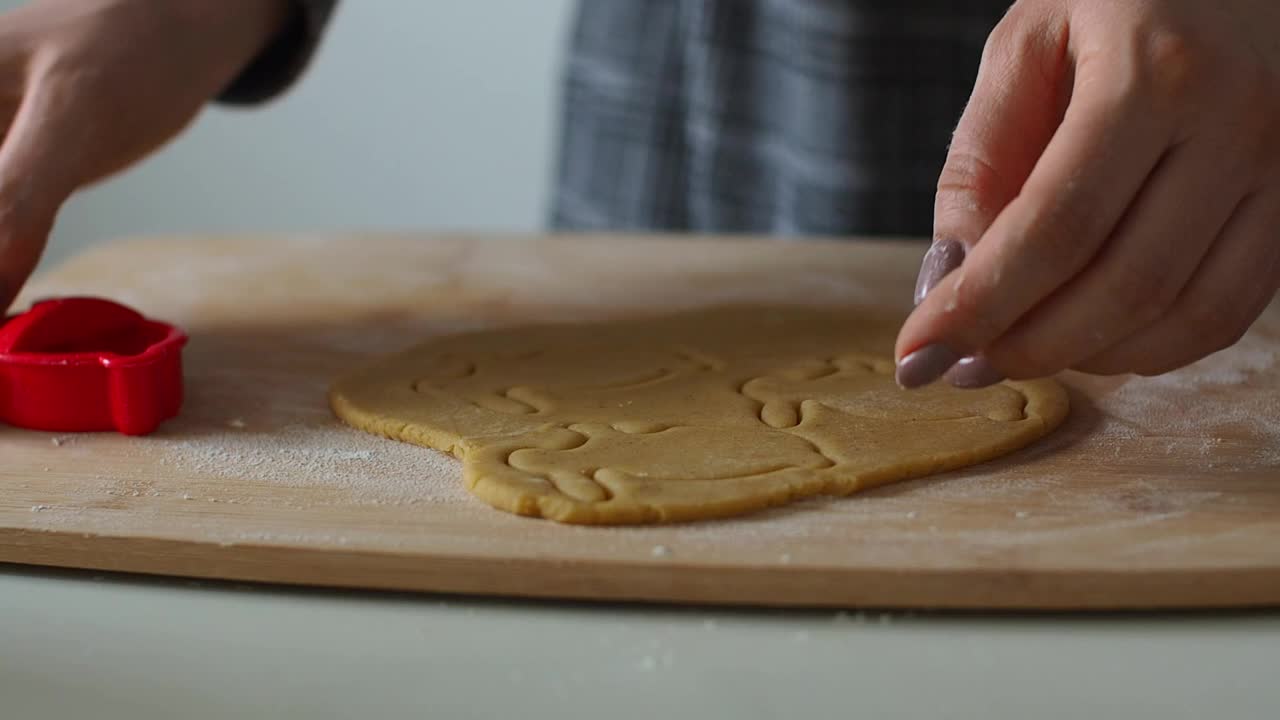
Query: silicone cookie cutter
85, 364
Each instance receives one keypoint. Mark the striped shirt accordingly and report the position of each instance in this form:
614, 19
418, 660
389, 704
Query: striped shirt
785, 117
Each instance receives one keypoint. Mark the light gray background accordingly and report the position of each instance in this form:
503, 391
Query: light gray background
417, 114
440, 114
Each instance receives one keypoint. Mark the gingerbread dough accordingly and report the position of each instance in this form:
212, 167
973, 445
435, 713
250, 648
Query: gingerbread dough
705, 414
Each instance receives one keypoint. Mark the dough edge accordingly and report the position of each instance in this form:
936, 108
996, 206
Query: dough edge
354, 400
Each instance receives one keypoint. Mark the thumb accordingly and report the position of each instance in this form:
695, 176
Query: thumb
1017, 103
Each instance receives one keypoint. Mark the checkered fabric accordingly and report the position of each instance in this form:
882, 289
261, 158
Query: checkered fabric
791, 117
787, 117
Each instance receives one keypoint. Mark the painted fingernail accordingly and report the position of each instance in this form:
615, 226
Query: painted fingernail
925, 365
973, 373
943, 257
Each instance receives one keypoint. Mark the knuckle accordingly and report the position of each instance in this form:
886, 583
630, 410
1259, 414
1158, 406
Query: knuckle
1005, 43
1171, 62
1158, 67
967, 181
1026, 35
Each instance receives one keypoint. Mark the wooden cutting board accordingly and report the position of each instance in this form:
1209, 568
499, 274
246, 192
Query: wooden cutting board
1156, 493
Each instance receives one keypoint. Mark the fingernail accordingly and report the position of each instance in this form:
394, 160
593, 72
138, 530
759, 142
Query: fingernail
925, 365
943, 257
973, 373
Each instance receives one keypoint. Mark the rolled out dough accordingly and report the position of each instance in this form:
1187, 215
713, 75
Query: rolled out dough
699, 415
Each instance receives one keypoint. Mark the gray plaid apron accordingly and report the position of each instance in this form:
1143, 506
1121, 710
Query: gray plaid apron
813, 117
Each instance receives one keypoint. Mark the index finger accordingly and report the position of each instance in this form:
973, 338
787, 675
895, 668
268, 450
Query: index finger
1090, 173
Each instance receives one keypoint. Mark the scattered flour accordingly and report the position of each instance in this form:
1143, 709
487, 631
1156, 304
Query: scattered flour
370, 469
1230, 395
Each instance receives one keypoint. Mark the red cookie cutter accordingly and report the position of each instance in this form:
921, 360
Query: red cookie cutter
85, 365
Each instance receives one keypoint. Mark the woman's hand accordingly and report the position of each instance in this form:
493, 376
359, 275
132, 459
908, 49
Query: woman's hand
87, 87
1111, 202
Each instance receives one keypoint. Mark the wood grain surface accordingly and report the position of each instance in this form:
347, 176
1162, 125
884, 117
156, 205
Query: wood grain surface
1156, 493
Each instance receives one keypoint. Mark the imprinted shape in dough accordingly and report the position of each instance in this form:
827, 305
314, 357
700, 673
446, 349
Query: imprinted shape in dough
704, 414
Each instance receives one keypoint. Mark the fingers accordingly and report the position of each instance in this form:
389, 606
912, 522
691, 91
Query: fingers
32, 187
1016, 104
43, 142
1010, 118
1235, 282
1081, 187
944, 256
1008, 122
974, 373
21, 244
1141, 270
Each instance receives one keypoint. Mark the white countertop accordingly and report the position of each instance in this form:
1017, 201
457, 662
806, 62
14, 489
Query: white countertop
106, 647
